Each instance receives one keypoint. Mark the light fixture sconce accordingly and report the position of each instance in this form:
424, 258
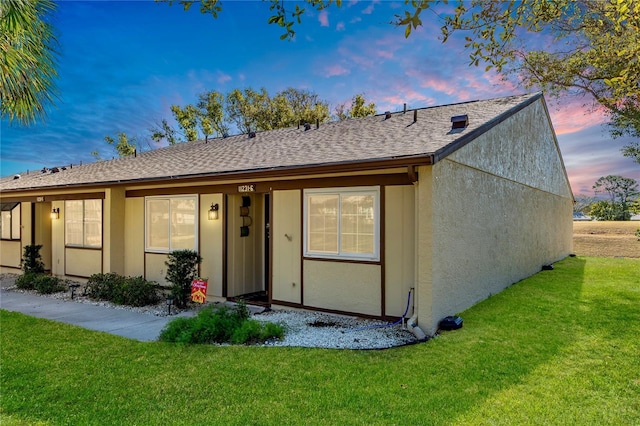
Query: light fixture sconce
213, 212
55, 213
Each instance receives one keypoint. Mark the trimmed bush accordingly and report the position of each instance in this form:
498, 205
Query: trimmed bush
182, 269
47, 284
220, 325
26, 281
131, 291
32, 259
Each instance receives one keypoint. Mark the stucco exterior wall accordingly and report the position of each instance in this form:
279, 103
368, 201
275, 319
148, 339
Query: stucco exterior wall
343, 286
42, 233
155, 268
399, 250
501, 208
10, 253
210, 240
286, 237
113, 236
134, 237
57, 241
82, 262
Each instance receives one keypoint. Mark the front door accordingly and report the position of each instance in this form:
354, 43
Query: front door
247, 245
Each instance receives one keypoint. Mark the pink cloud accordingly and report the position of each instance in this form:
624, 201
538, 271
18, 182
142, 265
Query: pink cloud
223, 78
323, 18
369, 9
384, 54
336, 70
571, 115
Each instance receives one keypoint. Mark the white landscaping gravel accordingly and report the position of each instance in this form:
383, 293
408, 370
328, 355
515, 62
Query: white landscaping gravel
302, 328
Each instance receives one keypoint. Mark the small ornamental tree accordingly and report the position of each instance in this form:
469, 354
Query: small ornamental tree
32, 259
182, 269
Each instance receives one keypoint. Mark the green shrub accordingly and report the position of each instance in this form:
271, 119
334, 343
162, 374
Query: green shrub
40, 282
131, 291
139, 292
26, 281
103, 286
220, 325
182, 269
47, 284
32, 260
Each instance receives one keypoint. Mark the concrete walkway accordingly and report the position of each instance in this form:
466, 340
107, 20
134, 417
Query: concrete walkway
121, 322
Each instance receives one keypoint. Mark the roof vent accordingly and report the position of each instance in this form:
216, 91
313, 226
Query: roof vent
415, 115
307, 126
459, 121
16, 176
252, 135
387, 115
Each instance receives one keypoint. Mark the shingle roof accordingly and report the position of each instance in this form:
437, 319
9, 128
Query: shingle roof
348, 142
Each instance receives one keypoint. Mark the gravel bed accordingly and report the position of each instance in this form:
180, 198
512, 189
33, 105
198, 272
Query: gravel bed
302, 328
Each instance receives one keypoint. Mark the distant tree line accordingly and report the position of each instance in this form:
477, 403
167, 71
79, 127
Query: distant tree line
241, 110
623, 199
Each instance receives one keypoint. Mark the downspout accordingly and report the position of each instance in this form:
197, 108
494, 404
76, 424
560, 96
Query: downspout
412, 324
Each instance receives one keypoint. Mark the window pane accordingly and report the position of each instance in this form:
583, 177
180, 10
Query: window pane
93, 223
322, 223
357, 224
73, 223
6, 225
183, 221
157, 221
15, 222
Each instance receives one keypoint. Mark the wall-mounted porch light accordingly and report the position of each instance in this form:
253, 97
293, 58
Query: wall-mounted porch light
55, 213
213, 211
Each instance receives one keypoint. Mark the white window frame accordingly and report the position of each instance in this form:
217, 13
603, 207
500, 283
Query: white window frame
341, 192
84, 225
169, 198
11, 219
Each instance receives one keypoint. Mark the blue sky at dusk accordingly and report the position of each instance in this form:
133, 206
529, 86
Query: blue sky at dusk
123, 64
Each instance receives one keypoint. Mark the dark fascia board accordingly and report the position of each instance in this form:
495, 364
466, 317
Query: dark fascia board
475, 133
277, 172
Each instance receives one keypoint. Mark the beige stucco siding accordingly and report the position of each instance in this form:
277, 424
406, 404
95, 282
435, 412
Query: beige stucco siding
113, 236
496, 235
155, 268
42, 233
82, 262
57, 241
521, 149
501, 208
399, 247
342, 286
134, 237
287, 245
10, 253
211, 248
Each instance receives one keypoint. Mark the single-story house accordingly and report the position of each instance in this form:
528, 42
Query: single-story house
433, 209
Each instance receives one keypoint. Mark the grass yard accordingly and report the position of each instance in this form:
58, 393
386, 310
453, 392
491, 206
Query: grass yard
606, 239
561, 347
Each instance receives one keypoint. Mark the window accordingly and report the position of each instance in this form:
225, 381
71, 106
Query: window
342, 223
83, 223
170, 223
10, 221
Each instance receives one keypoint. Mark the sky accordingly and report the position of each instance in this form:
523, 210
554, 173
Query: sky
122, 64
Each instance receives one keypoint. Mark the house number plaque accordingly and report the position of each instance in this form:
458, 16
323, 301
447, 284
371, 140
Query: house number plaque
247, 188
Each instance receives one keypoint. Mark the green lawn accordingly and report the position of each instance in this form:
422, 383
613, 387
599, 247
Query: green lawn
562, 347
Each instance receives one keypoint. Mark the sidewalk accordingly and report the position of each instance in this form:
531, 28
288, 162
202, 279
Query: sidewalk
121, 322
